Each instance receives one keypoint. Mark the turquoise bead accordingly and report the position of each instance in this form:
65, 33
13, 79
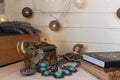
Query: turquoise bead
66, 72
46, 72
43, 65
58, 74
42, 69
72, 69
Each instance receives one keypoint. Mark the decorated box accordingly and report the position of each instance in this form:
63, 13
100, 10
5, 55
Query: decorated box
50, 52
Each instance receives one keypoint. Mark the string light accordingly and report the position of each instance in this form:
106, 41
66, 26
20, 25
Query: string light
3, 18
118, 13
79, 3
27, 12
54, 25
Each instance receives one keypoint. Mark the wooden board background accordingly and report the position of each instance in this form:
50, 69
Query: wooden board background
95, 25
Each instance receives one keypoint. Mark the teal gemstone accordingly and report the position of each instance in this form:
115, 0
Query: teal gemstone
43, 69
43, 65
46, 72
66, 72
72, 69
58, 74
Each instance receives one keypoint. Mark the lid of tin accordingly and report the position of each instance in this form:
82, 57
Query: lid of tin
47, 47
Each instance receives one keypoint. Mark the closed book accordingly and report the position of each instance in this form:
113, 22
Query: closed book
101, 73
103, 59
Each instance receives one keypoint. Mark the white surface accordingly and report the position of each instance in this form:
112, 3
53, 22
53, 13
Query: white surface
12, 72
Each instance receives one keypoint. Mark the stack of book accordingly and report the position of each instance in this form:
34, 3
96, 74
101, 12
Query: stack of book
103, 65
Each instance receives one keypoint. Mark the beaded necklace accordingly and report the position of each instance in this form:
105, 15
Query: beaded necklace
46, 70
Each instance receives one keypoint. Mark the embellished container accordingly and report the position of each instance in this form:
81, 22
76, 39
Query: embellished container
50, 52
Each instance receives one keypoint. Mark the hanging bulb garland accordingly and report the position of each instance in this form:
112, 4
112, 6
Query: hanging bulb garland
55, 24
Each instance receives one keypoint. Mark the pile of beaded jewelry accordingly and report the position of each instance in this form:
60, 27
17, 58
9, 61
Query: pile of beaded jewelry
46, 70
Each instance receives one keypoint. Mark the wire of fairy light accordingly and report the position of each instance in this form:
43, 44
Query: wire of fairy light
62, 15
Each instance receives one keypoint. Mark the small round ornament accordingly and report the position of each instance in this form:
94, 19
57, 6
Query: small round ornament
27, 12
54, 25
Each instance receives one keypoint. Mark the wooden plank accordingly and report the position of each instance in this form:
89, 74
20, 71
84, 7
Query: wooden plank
90, 6
22, 4
106, 36
80, 20
64, 47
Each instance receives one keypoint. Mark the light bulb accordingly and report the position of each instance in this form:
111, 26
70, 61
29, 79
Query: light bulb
79, 3
54, 25
118, 13
27, 12
3, 18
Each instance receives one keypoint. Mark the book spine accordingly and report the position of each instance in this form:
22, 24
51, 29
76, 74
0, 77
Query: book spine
112, 64
94, 60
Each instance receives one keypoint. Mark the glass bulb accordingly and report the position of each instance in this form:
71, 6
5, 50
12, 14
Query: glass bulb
79, 3
27, 12
3, 18
54, 25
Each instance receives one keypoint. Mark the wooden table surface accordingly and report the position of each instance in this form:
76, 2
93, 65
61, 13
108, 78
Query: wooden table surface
12, 72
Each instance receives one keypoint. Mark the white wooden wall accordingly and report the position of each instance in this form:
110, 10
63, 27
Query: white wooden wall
96, 25
1, 7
